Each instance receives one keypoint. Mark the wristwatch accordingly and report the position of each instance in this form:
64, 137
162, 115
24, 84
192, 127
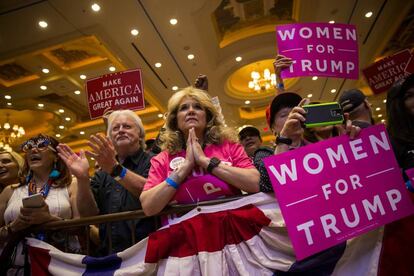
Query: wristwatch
214, 162
283, 140
117, 171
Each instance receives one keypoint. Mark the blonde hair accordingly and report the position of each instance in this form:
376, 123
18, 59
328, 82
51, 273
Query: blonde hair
172, 139
17, 158
132, 115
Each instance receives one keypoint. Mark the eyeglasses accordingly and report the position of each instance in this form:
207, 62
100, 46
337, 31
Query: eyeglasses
41, 144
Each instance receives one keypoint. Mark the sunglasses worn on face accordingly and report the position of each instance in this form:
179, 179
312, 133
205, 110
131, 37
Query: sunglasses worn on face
41, 144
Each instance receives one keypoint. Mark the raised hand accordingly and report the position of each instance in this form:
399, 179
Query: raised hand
77, 164
103, 152
201, 82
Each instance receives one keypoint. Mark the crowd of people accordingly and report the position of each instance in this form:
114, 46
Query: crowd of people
195, 158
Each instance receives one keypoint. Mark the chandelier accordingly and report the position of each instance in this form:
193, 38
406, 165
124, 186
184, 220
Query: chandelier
10, 135
262, 83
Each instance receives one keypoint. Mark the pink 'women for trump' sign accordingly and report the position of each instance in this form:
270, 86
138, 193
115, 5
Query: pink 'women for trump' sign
121, 90
337, 189
319, 49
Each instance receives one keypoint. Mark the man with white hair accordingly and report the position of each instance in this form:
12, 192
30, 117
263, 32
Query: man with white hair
116, 188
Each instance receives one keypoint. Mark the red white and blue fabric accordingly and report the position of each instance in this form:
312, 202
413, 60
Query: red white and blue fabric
244, 237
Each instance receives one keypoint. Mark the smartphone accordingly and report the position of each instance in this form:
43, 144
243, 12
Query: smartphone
323, 114
33, 201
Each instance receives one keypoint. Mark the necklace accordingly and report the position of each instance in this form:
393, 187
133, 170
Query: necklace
44, 190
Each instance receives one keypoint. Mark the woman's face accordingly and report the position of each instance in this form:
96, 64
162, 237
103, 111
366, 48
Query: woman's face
409, 100
9, 169
191, 114
40, 156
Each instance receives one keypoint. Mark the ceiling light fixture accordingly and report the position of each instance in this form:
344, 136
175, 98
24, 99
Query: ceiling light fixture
67, 119
333, 90
160, 115
190, 56
112, 68
173, 21
61, 110
9, 104
309, 96
368, 14
379, 115
383, 121
332, 22
259, 83
175, 88
43, 87
43, 24
82, 132
40, 105
77, 92
45, 70
61, 127
95, 7
7, 97
238, 59
83, 77
158, 65
384, 101
314, 78
134, 32
9, 135
247, 102
378, 108
57, 135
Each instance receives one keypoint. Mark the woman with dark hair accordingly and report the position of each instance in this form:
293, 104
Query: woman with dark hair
44, 173
398, 241
201, 159
11, 166
400, 112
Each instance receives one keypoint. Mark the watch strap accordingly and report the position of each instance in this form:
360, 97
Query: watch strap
283, 140
118, 172
214, 162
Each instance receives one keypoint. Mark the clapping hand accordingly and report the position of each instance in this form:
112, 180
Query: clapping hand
103, 152
77, 164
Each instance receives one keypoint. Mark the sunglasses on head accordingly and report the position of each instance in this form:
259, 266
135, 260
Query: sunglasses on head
41, 144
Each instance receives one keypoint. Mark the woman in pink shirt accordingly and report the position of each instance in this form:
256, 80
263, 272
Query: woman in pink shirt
201, 159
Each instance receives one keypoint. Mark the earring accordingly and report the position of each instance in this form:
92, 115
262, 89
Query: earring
54, 173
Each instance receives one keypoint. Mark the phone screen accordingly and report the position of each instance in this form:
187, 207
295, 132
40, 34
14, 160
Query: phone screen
323, 114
